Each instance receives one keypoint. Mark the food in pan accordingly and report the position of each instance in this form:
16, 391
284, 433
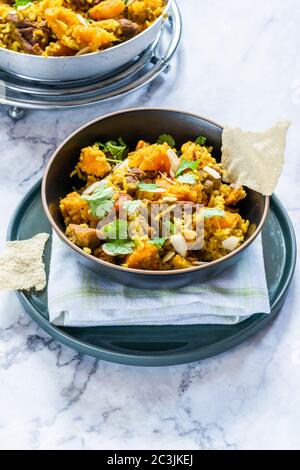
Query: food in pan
73, 27
157, 207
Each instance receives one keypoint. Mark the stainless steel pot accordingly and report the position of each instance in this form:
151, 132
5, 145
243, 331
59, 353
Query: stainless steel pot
82, 66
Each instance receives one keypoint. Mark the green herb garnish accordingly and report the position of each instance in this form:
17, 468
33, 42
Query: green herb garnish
166, 138
100, 201
22, 3
117, 150
148, 187
200, 140
159, 242
187, 164
187, 178
119, 247
213, 212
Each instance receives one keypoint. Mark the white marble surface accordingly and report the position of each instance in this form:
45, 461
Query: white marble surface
239, 64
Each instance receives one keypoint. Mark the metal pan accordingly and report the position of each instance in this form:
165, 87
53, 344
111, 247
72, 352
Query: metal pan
83, 66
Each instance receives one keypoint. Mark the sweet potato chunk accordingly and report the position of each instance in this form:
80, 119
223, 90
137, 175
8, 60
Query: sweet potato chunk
107, 9
230, 221
144, 257
75, 210
151, 158
232, 195
93, 162
73, 32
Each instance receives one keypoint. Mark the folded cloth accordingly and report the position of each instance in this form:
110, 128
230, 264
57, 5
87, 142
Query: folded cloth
79, 297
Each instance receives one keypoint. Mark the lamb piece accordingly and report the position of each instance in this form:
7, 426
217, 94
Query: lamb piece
137, 172
27, 47
129, 29
83, 236
13, 18
208, 186
134, 177
25, 34
144, 257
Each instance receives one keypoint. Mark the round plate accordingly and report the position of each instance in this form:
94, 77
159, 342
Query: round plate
21, 92
161, 345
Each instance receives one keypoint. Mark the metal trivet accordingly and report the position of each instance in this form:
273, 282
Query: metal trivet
22, 93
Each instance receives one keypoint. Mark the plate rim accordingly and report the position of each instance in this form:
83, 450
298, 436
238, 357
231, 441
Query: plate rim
169, 357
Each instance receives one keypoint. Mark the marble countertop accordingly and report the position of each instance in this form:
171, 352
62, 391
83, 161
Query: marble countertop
239, 64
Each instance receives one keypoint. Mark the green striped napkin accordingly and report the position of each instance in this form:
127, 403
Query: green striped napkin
79, 297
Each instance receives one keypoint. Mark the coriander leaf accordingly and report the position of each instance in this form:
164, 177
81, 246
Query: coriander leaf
100, 201
187, 164
131, 206
200, 140
119, 247
22, 3
116, 230
187, 178
148, 187
166, 138
159, 242
115, 150
121, 142
118, 150
213, 212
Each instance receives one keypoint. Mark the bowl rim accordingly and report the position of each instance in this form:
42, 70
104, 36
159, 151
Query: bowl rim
91, 54
133, 270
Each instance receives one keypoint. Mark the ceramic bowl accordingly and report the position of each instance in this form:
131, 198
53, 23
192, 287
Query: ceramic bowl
132, 125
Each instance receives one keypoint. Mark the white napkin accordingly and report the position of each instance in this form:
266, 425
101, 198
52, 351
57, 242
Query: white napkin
79, 297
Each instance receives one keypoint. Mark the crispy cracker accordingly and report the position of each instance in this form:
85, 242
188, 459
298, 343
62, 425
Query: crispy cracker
21, 265
254, 159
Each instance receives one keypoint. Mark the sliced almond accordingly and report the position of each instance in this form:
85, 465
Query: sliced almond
235, 186
189, 234
90, 189
213, 173
123, 164
174, 162
179, 244
168, 256
199, 263
85, 50
231, 243
166, 178
82, 20
169, 199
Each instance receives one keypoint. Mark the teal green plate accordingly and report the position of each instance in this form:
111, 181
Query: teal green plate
161, 345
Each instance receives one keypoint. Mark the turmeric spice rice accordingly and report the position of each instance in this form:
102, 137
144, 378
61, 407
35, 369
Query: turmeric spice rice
153, 174
70, 27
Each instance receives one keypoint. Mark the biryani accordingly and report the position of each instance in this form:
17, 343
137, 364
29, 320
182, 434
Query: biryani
72, 27
157, 207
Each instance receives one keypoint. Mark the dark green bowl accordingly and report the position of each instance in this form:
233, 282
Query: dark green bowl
132, 125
